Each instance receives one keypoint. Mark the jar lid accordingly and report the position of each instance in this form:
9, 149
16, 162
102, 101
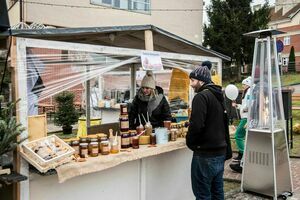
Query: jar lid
94, 143
123, 116
75, 142
94, 140
102, 142
125, 132
83, 144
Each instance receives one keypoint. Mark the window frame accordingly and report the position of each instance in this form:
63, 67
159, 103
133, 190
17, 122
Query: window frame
286, 40
130, 5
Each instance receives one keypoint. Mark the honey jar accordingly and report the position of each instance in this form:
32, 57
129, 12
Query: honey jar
125, 140
135, 142
123, 109
94, 149
124, 123
92, 140
75, 146
104, 147
83, 150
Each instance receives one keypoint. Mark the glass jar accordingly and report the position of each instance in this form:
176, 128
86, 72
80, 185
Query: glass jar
83, 149
94, 149
75, 146
124, 123
104, 147
135, 142
125, 140
132, 134
114, 147
123, 109
90, 146
173, 134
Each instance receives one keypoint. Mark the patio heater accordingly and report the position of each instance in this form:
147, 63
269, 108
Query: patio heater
266, 167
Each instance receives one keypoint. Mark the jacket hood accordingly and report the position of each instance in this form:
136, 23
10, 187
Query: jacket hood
215, 89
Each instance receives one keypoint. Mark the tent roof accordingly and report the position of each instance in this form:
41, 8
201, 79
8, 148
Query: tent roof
119, 36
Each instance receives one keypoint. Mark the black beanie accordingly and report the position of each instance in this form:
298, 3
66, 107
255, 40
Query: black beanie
207, 64
201, 73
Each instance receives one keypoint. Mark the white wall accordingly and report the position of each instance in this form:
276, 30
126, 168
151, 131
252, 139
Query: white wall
187, 24
165, 176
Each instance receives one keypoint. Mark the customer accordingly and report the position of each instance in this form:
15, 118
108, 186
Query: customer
241, 130
206, 136
149, 99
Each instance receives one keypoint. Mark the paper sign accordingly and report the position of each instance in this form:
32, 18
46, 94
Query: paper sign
151, 60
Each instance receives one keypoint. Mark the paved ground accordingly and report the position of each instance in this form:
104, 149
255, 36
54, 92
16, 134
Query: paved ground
236, 194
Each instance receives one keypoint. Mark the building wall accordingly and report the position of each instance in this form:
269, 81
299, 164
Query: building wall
292, 29
187, 24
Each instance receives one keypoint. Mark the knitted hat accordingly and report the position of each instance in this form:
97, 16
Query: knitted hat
207, 64
201, 73
148, 80
247, 81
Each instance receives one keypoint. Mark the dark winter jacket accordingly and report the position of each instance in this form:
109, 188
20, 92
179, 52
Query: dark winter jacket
159, 114
206, 133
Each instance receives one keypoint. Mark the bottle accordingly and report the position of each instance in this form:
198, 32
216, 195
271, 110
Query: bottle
148, 128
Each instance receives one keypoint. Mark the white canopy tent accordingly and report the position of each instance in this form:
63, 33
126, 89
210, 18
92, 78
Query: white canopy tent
87, 68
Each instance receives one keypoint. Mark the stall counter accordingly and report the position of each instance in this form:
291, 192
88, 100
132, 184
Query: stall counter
149, 173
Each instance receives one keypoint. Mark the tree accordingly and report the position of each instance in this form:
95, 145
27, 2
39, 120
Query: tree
229, 20
66, 114
291, 65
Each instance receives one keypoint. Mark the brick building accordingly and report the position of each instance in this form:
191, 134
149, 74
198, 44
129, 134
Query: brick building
285, 16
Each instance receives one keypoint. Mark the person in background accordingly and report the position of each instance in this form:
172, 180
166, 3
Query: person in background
241, 129
149, 99
206, 136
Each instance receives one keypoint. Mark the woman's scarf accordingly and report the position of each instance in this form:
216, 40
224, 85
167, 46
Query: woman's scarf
153, 99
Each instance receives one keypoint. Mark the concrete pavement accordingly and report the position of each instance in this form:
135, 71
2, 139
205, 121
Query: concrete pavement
237, 194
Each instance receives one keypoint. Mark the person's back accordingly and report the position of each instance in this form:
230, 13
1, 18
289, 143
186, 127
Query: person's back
206, 136
206, 132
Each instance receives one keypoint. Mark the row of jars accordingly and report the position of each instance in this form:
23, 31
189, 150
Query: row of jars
91, 146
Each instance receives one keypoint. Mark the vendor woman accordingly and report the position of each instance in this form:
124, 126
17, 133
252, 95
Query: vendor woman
149, 99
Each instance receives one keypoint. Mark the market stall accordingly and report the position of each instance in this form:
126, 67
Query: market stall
136, 174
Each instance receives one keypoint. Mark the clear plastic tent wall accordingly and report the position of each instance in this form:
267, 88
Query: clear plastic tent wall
46, 68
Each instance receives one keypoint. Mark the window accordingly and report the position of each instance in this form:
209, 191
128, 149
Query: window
285, 61
286, 40
142, 6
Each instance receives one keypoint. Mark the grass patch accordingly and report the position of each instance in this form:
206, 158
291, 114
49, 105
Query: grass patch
295, 151
290, 79
286, 79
